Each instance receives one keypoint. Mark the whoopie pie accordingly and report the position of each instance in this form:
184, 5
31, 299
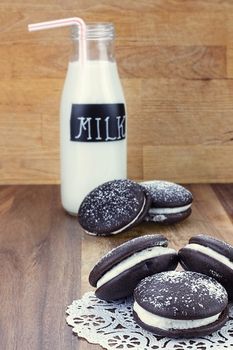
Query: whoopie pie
170, 203
210, 256
113, 207
118, 272
180, 304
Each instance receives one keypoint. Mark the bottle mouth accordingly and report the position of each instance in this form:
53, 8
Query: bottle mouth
95, 30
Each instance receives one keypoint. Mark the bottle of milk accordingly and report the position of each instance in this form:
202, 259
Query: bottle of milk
92, 118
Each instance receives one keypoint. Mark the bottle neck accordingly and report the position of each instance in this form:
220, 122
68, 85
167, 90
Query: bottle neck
96, 50
99, 42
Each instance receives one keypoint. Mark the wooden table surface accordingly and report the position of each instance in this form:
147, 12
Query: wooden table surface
45, 259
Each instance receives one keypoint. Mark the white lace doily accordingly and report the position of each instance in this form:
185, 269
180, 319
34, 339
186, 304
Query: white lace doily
111, 325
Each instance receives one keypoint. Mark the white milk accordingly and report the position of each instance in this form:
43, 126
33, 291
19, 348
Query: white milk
85, 165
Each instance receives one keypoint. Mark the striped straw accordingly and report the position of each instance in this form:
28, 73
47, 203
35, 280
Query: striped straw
65, 22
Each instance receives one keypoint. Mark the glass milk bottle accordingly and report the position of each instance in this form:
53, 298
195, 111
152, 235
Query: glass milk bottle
92, 118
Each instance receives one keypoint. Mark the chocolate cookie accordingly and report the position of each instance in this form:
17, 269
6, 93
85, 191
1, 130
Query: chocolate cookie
113, 207
170, 203
210, 256
119, 271
180, 304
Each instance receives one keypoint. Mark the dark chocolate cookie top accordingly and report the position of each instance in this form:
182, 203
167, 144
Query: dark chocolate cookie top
167, 194
219, 246
111, 206
181, 295
122, 252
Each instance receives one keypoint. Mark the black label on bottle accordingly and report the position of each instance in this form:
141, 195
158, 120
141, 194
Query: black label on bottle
97, 122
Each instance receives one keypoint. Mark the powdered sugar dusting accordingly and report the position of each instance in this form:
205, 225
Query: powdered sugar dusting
111, 205
165, 193
181, 294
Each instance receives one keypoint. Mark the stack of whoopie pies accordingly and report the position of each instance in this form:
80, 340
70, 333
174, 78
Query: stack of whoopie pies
119, 205
177, 304
188, 303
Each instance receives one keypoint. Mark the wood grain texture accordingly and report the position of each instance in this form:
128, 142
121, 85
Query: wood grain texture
39, 269
176, 68
45, 259
174, 162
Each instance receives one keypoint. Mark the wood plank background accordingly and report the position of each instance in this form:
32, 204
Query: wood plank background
175, 59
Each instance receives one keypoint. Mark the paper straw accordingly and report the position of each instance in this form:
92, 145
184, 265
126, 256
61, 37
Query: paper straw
65, 22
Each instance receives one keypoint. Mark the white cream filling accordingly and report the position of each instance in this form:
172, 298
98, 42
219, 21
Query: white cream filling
156, 218
133, 260
168, 323
125, 227
210, 252
155, 211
